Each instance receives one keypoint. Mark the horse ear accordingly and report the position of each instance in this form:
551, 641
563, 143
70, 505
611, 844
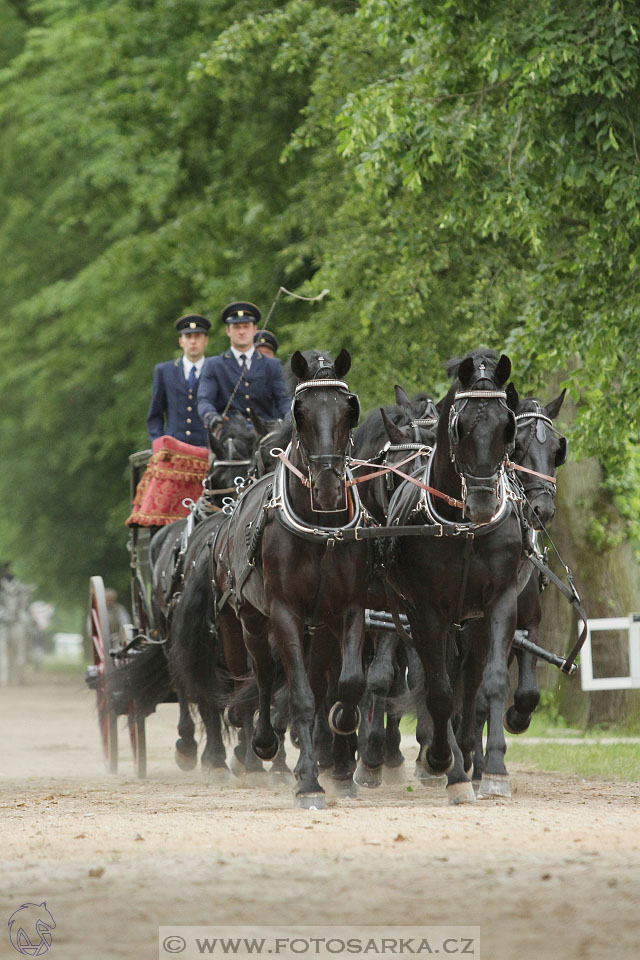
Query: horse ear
465, 371
512, 397
561, 452
552, 409
342, 364
216, 446
510, 432
354, 404
259, 424
394, 433
503, 369
401, 397
299, 366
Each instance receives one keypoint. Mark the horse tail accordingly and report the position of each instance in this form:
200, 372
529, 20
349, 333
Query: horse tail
145, 679
194, 650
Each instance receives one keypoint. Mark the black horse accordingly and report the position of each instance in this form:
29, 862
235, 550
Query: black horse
283, 566
400, 434
540, 450
465, 561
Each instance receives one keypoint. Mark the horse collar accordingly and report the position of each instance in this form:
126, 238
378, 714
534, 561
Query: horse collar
285, 514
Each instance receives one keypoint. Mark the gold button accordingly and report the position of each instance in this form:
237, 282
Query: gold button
188, 432
248, 409
188, 409
188, 419
247, 397
246, 383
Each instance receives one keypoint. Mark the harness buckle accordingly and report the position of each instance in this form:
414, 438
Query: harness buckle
441, 534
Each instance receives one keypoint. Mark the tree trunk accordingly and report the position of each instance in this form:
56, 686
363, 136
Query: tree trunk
589, 534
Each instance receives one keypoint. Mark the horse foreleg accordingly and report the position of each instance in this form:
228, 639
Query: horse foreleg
378, 682
500, 620
265, 742
186, 754
430, 636
527, 695
286, 629
344, 717
214, 755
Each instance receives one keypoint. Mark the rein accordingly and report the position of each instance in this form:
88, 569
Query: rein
516, 466
394, 469
390, 468
280, 454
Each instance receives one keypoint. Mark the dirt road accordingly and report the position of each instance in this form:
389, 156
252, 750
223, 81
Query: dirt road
553, 873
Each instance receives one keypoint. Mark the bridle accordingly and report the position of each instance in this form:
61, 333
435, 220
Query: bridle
538, 422
320, 463
469, 481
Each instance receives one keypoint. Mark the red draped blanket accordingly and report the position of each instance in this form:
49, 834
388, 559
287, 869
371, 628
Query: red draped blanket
174, 472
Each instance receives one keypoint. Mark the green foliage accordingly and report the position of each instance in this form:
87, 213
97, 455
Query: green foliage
455, 174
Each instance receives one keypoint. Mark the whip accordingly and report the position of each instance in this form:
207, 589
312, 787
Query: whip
281, 290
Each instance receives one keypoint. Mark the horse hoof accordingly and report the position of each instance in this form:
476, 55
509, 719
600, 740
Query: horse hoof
255, 778
432, 771
238, 769
268, 752
394, 776
511, 724
217, 776
311, 801
430, 781
186, 759
494, 785
280, 778
335, 719
366, 776
461, 793
476, 786
344, 789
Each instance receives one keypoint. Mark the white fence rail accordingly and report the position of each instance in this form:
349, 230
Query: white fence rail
631, 624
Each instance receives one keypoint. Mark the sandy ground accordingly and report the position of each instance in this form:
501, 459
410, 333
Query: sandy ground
553, 873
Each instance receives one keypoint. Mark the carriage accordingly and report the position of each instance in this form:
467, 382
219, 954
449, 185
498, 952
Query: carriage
175, 472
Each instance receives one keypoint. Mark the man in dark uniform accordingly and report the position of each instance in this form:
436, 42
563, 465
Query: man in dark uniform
266, 343
174, 393
241, 377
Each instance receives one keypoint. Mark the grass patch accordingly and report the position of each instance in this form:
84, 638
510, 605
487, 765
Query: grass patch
52, 667
620, 761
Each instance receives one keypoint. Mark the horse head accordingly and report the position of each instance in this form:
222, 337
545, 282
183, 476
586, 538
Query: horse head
540, 447
481, 430
323, 414
232, 452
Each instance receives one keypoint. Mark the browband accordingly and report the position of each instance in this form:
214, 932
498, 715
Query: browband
480, 395
306, 384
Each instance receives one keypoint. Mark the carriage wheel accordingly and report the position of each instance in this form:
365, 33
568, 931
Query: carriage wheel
138, 738
101, 640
